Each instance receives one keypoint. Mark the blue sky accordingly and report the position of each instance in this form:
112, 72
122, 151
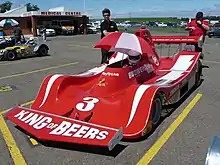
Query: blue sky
133, 8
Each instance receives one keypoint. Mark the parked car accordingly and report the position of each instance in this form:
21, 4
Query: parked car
49, 32
32, 47
214, 32
91, 29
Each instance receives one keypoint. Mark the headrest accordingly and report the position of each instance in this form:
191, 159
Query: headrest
140, 33
143, 33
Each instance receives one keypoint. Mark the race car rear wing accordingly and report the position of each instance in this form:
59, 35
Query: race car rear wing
177, 39
49, 127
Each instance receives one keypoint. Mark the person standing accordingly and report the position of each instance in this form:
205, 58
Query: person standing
44, 33
107, 26
198, 27
2, 34
18, 34
126, 27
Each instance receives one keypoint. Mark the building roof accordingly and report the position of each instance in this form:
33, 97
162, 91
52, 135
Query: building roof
15, 12
21, 11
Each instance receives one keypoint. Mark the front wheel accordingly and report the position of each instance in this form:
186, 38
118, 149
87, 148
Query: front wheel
155, 116
156, 111
1, 58
10, 55
198, 73
43, 51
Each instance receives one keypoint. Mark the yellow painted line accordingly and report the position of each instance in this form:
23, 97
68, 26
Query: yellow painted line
22, 105
11, 144
81, 46
33, 141
214, 62
24, 61
149, 155
38, 70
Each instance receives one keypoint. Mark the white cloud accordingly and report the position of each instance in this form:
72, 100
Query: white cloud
158, 12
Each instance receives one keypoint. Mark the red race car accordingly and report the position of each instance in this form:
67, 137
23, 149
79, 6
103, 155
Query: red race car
121, 99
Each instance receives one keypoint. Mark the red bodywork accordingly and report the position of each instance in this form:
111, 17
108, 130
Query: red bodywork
107, 103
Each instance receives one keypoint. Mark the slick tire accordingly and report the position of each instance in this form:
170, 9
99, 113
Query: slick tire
1, 58
155, 116
198, 74
10, 55
43, 51
156, 112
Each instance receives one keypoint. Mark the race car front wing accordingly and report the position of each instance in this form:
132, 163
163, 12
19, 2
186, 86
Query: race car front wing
51, 127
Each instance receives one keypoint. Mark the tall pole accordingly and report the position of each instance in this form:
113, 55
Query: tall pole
84, 6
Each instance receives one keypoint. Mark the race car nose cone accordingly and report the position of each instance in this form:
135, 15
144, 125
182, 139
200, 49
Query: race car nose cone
213, 155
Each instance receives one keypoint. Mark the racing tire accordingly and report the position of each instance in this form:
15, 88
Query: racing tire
156, 111
42, 51
1, 58
198, 74
155, 116
10, 55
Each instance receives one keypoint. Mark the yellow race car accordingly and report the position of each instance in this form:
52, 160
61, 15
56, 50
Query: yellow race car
30, 48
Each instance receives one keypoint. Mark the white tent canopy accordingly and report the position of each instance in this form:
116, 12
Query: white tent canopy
15, 12
59, 9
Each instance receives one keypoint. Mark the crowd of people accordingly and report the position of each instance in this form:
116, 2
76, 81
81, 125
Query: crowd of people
197, 27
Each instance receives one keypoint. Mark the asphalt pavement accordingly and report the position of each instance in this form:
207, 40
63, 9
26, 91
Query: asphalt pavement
73, 54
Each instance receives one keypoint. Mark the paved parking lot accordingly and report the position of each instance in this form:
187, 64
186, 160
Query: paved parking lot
70, 55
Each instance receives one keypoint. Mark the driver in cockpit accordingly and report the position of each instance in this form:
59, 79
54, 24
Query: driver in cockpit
133, 58
31, 41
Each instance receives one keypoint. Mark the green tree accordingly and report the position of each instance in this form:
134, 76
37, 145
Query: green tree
31, 7
5, 6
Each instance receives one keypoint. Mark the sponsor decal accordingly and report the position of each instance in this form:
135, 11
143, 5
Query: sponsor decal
65, 128
55, 13
174, 90
102, 83
138, 71
173, 39
155, 61
87, 104
110, 74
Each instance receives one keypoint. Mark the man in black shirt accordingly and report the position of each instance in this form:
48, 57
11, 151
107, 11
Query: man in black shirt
17, 34
107, 26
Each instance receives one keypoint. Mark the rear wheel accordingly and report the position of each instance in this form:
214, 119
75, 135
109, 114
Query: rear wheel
10, 55
156, 113
198, 73
155, 116
43, 51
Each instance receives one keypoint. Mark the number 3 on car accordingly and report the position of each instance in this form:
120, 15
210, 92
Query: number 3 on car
88, 104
